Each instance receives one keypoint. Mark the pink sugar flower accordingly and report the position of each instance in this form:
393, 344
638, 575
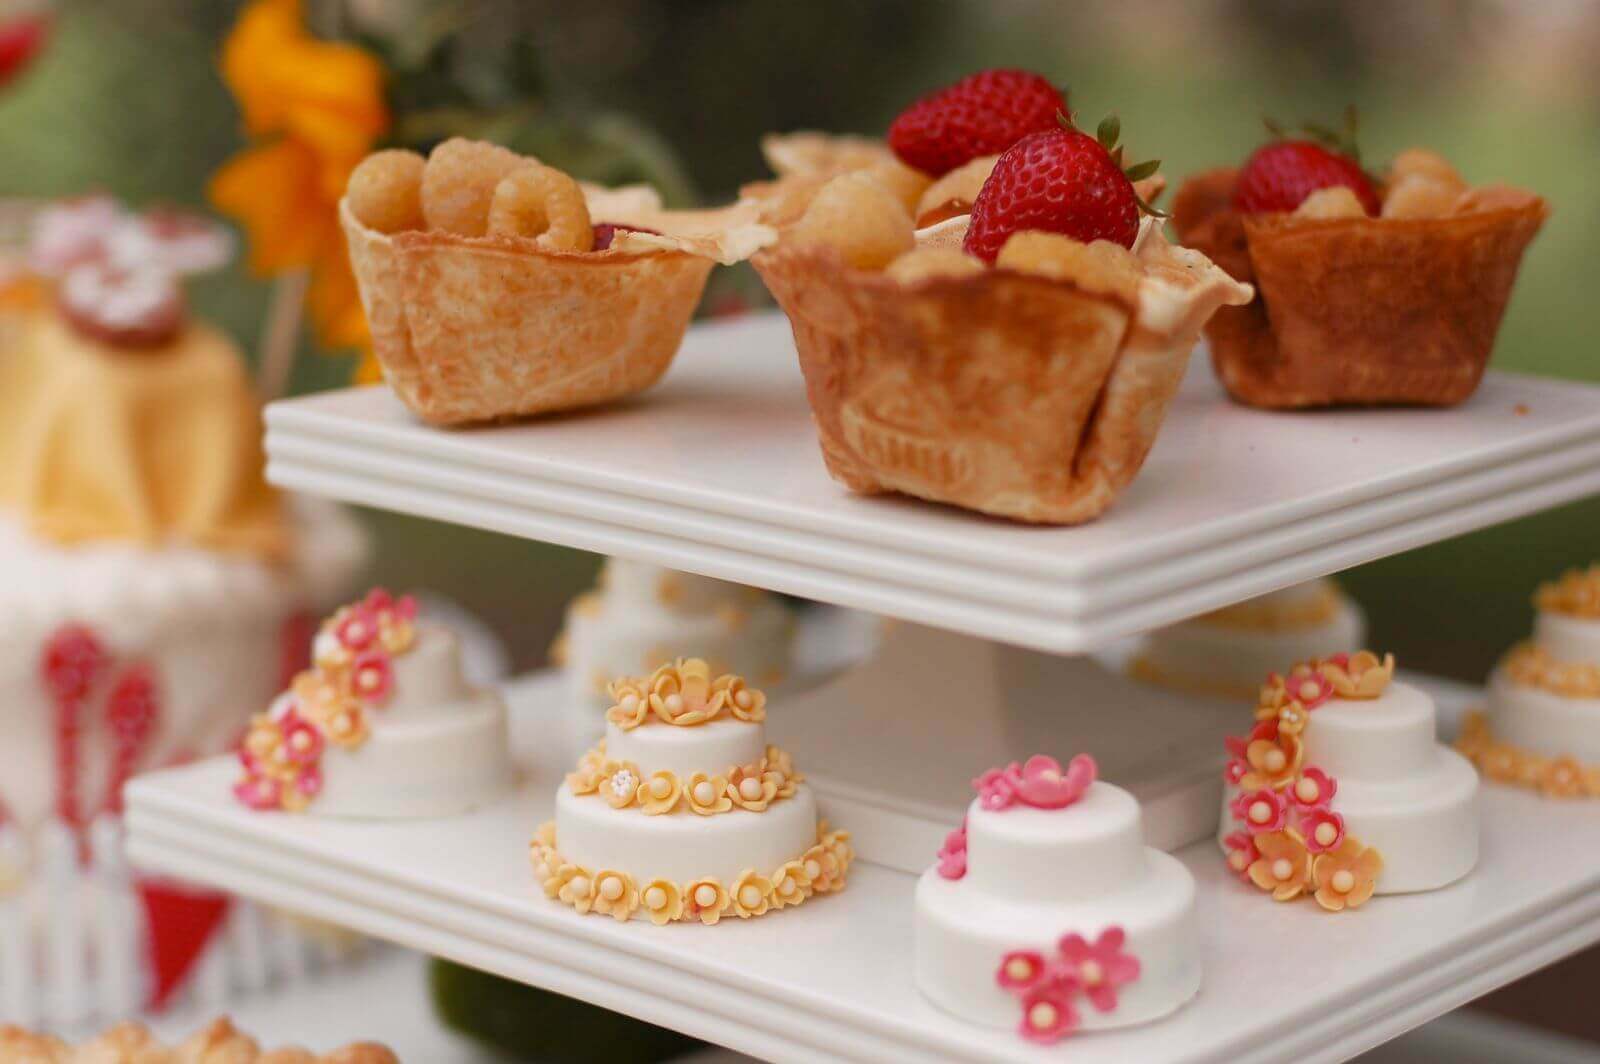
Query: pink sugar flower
1044, 785
1235, 771
1020, 969
1313, 790
953, 854
258, 792
378, 599
1242, 853
998, 787
358, 628
309, 782
1261, 810
1047, 1012
1323, 830
371, 676
302, 742
1100, 967
1310, 689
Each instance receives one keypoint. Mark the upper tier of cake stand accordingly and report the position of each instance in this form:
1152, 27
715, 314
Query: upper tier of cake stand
717, 471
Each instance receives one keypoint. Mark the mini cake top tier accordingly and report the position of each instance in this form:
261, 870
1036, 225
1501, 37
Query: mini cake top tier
631, 581
1383, 738
1568, 626
1041, 833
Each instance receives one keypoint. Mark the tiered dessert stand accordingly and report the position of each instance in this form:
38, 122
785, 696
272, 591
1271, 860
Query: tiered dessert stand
717, 472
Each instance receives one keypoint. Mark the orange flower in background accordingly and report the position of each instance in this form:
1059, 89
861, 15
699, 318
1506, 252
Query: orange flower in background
318, 108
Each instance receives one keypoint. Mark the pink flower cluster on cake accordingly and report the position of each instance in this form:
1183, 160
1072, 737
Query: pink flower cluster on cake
352, 673
1039, 782
1291, 842
1047, 988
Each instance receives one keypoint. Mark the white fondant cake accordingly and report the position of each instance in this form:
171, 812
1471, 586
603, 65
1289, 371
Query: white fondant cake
1343, 778
684, 812
1228, 651
1542, 725
644, 616
383, 726
1072, 888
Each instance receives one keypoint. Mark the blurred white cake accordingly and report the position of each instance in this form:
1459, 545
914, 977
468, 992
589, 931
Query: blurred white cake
684, 812
1542, 727
642, 616
1227, 653
383, 725
1342, 789
1047, 913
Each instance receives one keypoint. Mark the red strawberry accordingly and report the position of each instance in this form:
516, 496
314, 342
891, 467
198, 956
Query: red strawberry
982, 114
1282, 174
1063, 181
20, 41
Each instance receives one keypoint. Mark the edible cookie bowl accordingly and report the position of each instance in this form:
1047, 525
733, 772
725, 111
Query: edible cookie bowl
497, 287
1370, 290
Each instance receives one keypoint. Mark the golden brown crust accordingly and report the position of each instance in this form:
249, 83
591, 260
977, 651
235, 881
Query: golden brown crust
480, 328
219, 1042
1012, 394
1358, 310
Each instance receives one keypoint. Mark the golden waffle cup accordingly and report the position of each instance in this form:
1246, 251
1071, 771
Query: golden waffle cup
1008, 393
1358, 311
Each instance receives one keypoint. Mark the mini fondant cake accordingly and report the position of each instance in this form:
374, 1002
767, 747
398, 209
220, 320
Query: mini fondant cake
382, 725
1542, 728
684, 812
1047, 912
1226, 652
1342, 791
644, 616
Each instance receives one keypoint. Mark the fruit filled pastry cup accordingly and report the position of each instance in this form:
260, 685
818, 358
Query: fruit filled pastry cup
496, 286
981, 361
1370, 291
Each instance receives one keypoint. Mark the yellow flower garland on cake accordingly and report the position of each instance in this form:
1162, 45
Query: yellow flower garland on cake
820, 870
1532, 666
1274, 615
683, 694
1554, 777
1575, 594
751, 787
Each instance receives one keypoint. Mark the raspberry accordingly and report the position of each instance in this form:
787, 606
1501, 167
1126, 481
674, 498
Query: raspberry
982, 114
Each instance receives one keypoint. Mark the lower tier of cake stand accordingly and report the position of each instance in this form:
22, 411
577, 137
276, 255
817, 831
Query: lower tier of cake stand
832, 981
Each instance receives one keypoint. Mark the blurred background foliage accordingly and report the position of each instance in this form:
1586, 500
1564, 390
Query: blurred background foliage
125, 97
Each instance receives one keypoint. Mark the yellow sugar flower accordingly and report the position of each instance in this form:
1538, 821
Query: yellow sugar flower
615, 895
749, 789
619, 783
790, 885
577, 889
742, 700
751, 894
662, 901
560, 874
630, 704
706, 900
1346, 877
660, 793
821, 867
708, 794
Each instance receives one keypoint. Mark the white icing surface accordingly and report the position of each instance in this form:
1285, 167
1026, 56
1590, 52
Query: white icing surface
1034, 875
427, 678
683, 845
712, 747
1042, 855
630, 627
1569, 639
1236, 660
1380, 739
1399, 790
1544, 722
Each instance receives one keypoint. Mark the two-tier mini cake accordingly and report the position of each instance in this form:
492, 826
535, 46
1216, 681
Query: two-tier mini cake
684, 812
1542, 728
1226, 652
1342, 790
1047, 895
382, 725
642, 616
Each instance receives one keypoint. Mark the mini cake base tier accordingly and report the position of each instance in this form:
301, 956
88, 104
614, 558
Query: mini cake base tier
1543, 722
683, 846
962, 932
833, 982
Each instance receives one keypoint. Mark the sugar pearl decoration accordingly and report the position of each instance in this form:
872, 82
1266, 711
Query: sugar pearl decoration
813, 869
1307, 790
1325, 833
1309, 690
1018, 969
749, 896
1042, 1016
705, 895
1260, 812
749, 788
580, 886
660, 787
1092, 973
787, 887
1343, 881
630, 702
743, 699
611, 888
703, 792
656, 898
1282, 869
674, 704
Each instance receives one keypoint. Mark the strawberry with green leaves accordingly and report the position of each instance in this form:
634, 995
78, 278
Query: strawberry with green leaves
1282, 173
1060, 181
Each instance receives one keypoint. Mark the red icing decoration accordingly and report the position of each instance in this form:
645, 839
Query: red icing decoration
294, 645
181, 921
72, 662
133, 710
